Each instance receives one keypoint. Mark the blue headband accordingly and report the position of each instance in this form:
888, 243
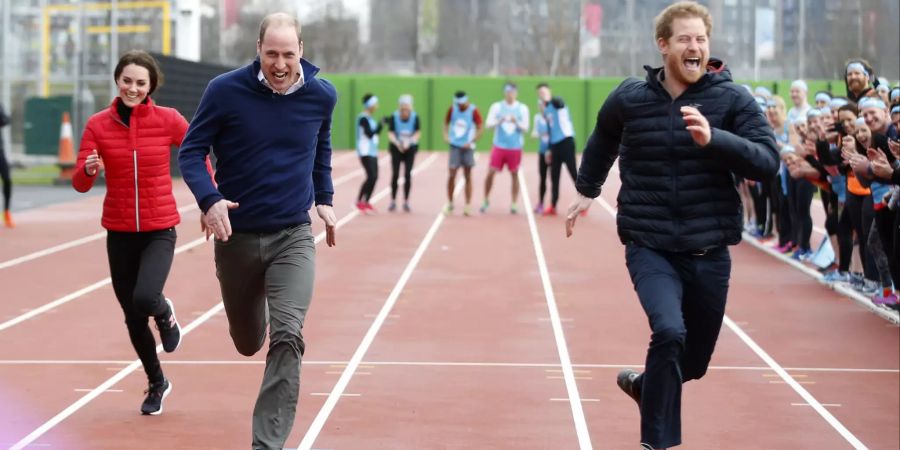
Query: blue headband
895, 110
509, 88
461, 100
405, 99
860, 121
813, 112
857, 66
761, 90
825, 110
872, 102
895, 94
800, 84
799, 121
823, 97
372, 101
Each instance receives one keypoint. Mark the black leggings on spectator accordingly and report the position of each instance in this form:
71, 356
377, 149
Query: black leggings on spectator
860, 212
408, 158
563, 152
542, 171
761, 193
7, 180
802, 193
370, 164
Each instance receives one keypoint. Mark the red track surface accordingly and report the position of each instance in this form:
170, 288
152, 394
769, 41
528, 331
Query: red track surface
462, 355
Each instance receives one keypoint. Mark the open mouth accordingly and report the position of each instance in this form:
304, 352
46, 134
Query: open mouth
280, 76
692, 64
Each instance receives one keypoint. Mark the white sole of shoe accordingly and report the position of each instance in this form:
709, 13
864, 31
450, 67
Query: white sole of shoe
165, 394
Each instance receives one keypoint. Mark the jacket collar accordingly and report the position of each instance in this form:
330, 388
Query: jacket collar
138, 111
716, 72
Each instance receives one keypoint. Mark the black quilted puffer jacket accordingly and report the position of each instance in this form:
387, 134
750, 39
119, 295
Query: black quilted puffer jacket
676, 196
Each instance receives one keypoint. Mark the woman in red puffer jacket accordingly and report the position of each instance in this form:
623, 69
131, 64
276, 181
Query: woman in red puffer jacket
133, 139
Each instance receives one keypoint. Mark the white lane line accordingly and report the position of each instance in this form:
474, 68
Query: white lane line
568, 374
566, 400
68, 245
81, 292
370, 364
836, 424
134, 365
829, 405
88, 289
325, 394
80, 403
315, 428
89, 390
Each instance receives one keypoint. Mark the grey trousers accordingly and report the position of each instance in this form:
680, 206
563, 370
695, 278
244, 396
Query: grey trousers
268, 277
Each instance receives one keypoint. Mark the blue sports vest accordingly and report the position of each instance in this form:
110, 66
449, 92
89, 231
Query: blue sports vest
462, 126
366, 146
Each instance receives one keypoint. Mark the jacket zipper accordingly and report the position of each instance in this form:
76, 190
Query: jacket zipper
137, 205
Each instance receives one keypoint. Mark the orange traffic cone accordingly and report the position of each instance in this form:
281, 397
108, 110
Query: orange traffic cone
67, 160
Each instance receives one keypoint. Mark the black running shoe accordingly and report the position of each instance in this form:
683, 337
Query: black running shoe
169, 330
156, 393
625, 380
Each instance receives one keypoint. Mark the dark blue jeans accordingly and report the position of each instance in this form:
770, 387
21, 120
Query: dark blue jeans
683, 295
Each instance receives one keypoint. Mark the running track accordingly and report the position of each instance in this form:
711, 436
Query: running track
427, 332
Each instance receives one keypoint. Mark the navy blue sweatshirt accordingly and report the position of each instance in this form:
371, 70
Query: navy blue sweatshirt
273, 151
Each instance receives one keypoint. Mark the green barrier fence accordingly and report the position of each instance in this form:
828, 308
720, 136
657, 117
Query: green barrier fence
433, 95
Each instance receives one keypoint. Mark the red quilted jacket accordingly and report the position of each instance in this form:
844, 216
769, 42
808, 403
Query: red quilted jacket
136, 159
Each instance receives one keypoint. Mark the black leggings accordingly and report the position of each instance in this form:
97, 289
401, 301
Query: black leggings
7, 180
542, 171
370, 163
563, 152
408, 158
830, 204
802, 193
761, 195
860, 215
139, 264
782, 211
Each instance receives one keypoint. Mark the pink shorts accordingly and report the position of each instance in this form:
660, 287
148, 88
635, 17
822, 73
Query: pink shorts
501, 156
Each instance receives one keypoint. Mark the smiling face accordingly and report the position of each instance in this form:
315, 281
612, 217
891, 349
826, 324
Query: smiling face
686, 52
133, 84
847, 119
279, 56
863, 135
876, 119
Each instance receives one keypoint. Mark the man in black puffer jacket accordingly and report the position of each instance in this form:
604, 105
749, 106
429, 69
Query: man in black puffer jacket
680, 136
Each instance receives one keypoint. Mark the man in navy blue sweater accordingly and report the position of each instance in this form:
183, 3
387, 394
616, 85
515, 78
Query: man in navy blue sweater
269, 124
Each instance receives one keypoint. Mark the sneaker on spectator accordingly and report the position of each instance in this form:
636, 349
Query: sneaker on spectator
836, 276
890, 299
539, 209
392, 206
857, 281
406, 207
870, 287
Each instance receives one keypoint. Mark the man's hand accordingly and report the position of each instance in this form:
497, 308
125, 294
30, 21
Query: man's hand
580, 205
326, 213
697, 125
217, 219
204, 227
